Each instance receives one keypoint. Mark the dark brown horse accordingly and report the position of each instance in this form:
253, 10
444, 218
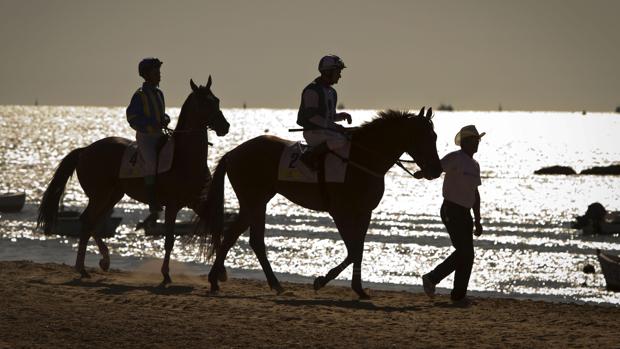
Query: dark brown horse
98, 168
252, 169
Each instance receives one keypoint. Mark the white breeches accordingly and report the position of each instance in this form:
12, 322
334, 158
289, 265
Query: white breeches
147, 146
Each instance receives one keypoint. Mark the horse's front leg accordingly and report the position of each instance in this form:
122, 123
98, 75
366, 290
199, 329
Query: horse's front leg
353, 228
171, 216
257, 242
321, 281
231, 234
104, 262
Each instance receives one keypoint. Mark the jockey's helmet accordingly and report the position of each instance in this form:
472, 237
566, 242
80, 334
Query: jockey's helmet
147, 64
330, 62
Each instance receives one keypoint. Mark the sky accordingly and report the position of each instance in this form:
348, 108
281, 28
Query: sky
559, 55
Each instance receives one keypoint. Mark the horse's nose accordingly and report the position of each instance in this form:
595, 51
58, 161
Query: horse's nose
223, 131
434, 173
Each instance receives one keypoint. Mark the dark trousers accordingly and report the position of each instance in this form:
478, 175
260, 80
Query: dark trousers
459, 224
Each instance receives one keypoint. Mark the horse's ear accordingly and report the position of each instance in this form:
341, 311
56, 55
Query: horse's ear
194, 87
421, 113
429, 113
209, 82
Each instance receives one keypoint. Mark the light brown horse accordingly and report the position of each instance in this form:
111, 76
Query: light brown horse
98, 166
252, 169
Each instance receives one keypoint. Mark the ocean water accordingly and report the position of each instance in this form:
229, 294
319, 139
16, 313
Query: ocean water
527, 249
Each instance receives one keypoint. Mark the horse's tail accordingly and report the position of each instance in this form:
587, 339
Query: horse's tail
48, 210
210, 225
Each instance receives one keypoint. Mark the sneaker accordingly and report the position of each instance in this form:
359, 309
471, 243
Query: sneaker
429, 286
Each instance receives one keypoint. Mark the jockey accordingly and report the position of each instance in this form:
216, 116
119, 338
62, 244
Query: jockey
317, 112
146, 114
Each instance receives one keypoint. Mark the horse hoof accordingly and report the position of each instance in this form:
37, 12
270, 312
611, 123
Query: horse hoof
104, 264
167, 281
279, 289
319, 283
84, 274
214, 291
222, 276
362, 295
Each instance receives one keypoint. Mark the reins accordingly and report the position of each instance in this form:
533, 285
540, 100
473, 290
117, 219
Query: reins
398, 162
170, 132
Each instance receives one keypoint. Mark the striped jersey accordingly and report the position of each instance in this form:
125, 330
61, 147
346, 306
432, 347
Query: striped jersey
146, 110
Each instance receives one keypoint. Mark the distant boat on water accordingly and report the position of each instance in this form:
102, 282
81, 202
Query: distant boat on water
12, 202
183, 228
69, 224
445, 107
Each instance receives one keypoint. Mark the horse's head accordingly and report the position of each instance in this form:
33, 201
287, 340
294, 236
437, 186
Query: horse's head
423, 147
207, 106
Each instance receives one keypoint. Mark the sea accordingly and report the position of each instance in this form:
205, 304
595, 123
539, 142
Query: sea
528, 249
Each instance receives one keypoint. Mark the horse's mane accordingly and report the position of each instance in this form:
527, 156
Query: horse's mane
382, 119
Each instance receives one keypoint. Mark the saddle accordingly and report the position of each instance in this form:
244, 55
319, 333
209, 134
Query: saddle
132, 163
292, 169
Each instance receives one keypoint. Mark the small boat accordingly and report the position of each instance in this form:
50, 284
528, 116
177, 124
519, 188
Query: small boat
603, 228
12, 202
610, 265
597, 220
184, 228
180, 229
68, 224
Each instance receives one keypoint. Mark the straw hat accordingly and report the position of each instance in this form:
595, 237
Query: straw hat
467, 131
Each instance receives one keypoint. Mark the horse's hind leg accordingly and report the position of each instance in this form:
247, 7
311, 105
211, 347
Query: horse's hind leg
104, 262
91, 215
257, 242
171, 216
353, 229
231, 234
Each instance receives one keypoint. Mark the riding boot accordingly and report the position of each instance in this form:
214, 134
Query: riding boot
154, 207
312, 156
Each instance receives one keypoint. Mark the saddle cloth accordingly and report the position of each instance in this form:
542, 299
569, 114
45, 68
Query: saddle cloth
132, 163
292, 169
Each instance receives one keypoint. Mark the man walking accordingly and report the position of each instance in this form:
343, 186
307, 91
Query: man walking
460, 192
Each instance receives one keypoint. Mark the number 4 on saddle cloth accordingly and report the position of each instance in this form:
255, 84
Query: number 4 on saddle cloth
292, 169
132, 163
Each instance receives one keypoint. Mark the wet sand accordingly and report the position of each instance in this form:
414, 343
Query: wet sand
45, 305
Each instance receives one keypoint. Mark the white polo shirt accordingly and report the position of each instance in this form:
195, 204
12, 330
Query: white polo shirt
461, 179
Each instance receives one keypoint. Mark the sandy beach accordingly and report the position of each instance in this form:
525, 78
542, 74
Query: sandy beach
45, 305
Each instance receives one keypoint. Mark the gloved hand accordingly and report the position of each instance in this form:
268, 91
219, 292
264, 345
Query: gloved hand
345, 116
165, 121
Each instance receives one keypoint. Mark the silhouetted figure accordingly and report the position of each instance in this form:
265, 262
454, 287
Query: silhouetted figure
460, 192
594, 216
147, 115
317, 112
